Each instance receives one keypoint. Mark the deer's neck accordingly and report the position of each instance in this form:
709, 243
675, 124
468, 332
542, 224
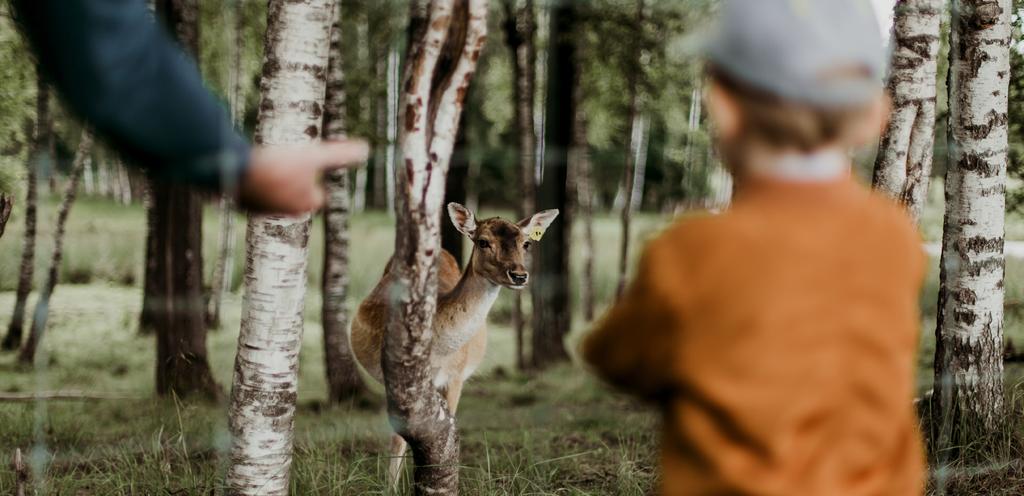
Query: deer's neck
462, 312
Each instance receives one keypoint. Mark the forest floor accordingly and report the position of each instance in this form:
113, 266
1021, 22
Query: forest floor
557, 432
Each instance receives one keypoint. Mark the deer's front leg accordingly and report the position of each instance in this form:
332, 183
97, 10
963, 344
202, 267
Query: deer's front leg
397, 454
452, 393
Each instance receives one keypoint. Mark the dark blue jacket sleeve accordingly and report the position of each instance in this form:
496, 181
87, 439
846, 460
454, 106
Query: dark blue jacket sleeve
123, 74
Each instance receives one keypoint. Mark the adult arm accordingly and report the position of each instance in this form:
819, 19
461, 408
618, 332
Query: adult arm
123, 74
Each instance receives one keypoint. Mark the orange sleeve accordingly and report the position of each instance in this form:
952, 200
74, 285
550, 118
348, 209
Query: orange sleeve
632, 346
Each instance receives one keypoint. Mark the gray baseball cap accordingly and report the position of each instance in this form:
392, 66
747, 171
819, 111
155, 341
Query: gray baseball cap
826, 53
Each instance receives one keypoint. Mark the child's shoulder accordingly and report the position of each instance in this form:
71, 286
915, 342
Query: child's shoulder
688, 232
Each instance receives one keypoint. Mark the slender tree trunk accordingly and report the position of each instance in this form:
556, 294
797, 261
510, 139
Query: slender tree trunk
27, 355
969, 334
636, 150
392, 128
150, 286
88, 179
106, 190
361, 174
693, 125
381, 106
640, 163
520, 26
179, 319
584, 201
222, 273
552, 311
6, 205
904, 162
264, 388
343, 380
124, 183
446, 39
28, 251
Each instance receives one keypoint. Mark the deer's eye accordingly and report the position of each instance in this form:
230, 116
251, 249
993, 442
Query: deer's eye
483, 244
526, 246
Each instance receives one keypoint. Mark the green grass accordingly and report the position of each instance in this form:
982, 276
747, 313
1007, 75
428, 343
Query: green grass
555, 433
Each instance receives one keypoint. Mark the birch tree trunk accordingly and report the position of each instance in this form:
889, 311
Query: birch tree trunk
27, 354
969, 334
222, 273
343, 380
264, 388
362, 174
636, 137
392, 128
446, 39
552, 311
123, 184
520, 26
904, 162
28, 248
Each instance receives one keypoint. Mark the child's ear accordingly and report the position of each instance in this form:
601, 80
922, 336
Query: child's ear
723, 110
463, 219
535, 225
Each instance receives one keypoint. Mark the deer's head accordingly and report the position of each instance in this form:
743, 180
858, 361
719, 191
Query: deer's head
501, 249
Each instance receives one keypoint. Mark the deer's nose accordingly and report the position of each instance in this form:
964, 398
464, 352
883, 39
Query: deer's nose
518, 278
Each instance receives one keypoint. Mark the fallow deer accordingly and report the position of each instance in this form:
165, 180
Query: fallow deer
499, 258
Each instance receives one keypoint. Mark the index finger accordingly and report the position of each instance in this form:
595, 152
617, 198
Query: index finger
345, 153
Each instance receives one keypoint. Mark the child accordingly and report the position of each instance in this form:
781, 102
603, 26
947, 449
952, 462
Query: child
778, 339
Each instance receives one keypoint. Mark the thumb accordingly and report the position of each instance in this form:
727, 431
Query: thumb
344, 153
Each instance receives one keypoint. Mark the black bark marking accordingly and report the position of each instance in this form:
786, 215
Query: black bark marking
971, 162
979, 244
293, 234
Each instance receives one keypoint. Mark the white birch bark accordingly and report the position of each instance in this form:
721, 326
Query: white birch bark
640, 161
224, 264
904, 161
969, 334
392, 128
637, 148
430, 119
263, 393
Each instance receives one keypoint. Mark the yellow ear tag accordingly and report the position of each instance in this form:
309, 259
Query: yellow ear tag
536, 235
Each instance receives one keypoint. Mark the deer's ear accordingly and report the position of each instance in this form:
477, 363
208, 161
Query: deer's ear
535, 225
463, 219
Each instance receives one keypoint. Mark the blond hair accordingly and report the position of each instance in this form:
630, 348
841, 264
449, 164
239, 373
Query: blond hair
781, 123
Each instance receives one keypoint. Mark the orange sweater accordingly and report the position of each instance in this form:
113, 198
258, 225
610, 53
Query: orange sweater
779, 340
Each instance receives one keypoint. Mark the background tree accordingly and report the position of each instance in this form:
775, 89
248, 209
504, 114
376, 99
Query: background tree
969, 337
182, 366
220, 283
636, 159
446, 39
28, 248
6, 199
904, 162
264, 388
552, 311
343, 380
584, 211
27, 354
520, 28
